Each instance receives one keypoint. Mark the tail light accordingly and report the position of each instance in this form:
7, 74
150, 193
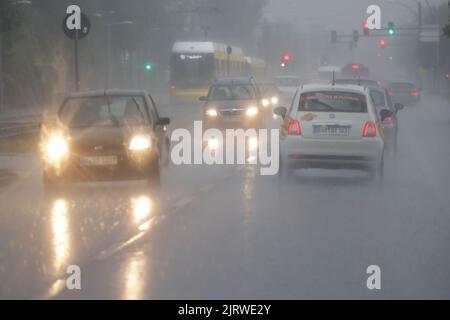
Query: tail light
415, 93
370, 130
388, 120
391, 93
173, 87
294, 128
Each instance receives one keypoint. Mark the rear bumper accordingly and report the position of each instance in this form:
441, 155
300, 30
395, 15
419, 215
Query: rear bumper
318, 153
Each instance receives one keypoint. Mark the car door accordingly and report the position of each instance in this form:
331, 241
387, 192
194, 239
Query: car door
159, 130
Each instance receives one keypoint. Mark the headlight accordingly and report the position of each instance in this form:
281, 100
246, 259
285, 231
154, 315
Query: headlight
57, 147
211, 112
140, 142
274, 100
265, 102
251, 111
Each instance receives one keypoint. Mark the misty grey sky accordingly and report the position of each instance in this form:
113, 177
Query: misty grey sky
341, 15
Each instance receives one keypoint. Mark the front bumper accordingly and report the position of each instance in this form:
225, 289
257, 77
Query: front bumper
127, 167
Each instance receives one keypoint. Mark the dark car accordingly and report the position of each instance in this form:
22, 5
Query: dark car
388, 111
354, 70
107, 135
270, 95
404, 92
233, 103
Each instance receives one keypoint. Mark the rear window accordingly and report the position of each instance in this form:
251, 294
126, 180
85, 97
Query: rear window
401, 86
333, 102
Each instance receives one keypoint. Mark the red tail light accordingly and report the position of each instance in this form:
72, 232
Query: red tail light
294, 128
370, 130
173, 87
388, 120
391, 93
415, 93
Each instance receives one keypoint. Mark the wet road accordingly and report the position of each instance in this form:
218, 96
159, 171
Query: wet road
226, 232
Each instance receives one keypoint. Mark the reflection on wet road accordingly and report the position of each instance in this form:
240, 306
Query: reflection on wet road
227, 232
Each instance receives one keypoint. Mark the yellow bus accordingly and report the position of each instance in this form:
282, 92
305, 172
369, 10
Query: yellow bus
195, 65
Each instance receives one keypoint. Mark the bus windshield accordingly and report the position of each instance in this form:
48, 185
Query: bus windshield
191, 70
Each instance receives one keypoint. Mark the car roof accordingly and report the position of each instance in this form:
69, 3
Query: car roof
236, 80
110, 92
336, 87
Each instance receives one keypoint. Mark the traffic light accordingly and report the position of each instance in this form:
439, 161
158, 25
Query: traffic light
391, 28
366, 28
382, 43
355, 35
148, 67
333, 36
285, 60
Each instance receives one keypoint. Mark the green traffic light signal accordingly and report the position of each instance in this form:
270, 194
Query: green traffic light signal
391, 29
148, 67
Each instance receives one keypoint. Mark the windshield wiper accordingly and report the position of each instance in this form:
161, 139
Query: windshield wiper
139, 109
112, 117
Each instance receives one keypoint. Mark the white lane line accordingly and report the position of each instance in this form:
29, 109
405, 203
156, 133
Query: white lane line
183, 202
207, 188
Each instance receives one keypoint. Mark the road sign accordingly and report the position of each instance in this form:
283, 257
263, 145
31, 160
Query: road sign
83, 32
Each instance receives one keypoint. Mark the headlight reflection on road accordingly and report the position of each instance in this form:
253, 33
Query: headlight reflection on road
142, 208
135, 281
60, 229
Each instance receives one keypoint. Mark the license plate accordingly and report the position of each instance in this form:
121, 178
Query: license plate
99, 161
331, 130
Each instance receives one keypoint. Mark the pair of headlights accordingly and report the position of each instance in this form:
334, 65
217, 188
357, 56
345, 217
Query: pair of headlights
58, 146
249, 112
266, 102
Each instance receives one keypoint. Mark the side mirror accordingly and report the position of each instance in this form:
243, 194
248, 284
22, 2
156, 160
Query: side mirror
280, 111
203, 98
163, 122
385, 113
398, 106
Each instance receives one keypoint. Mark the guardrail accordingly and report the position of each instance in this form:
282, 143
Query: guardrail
19, 126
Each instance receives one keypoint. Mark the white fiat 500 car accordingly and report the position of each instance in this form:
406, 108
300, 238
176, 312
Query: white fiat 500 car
331, 126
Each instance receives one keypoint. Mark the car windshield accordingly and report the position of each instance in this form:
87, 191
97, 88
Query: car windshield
103, 111
330, 101
231, 92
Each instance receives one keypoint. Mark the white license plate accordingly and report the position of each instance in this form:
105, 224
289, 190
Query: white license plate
332, 130
99, 161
